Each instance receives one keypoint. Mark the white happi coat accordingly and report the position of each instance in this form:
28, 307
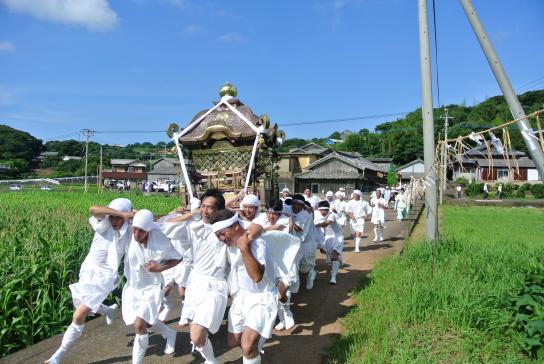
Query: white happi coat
333, 237
263, 221
177, 233
143, 292
340, 207
378, 210
206, 292
98, 275
359, 209
254, 305
308, 239
313, 200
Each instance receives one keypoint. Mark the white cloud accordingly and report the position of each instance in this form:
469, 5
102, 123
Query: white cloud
192, 29
231, 38
7, 97
6, 46
95, 15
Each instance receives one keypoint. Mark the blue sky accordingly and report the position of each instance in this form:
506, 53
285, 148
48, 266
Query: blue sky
141, 64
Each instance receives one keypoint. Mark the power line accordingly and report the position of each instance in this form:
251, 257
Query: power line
530, 83
344, 119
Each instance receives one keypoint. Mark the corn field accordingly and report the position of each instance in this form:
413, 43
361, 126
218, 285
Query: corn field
44, 237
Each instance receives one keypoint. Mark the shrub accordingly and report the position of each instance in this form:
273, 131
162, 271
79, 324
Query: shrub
508, 189
519, 193
538, 190
525, 187
474, 189
461, 181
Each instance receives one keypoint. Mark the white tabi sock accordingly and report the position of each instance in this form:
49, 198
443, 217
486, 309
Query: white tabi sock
281, 316
168, 304
334, 267
73, 332
108, 311
207, 352
357, 244
255, 360
375, 234
260, 345
141, 343
167, 333
289, 321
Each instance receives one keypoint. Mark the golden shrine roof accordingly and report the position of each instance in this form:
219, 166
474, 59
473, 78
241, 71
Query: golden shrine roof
222, 123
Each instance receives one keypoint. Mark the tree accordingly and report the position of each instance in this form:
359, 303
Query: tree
18, 150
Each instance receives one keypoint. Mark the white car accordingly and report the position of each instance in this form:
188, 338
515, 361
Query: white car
45, 188
15, 187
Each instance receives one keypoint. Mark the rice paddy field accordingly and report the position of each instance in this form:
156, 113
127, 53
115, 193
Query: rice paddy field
477, 296
44, 237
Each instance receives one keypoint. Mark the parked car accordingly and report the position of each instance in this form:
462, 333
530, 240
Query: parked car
166, 186
15, 187
45, 188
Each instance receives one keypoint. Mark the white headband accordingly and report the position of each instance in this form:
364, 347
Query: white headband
223, 224
251, 200
143, 219
323, 208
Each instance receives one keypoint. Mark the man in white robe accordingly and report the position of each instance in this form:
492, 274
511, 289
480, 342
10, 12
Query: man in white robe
357, 210
206, 293
311, 198
98, 275
249, 208
379, 205
339, 207
275, 220
251, 285
303, 228
150, 252
332, 242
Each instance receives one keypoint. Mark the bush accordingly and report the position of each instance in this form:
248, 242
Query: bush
519, 193
508, 189
525, 187
474, 189
538, 190
463, 182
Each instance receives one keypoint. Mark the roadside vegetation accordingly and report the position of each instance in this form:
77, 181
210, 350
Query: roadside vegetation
475, 296
44, 237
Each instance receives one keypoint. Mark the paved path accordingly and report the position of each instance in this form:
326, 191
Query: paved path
317, 316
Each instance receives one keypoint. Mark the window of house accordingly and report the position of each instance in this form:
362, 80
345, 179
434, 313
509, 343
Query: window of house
315, 187
502, 173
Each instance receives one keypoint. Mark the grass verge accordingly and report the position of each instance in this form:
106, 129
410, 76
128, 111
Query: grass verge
449, 302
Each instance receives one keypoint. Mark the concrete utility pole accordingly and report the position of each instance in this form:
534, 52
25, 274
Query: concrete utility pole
506, 87
100, 184
428, 122
444, 159
88, 133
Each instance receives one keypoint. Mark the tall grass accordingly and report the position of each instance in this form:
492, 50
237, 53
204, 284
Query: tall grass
448, 302
44, 237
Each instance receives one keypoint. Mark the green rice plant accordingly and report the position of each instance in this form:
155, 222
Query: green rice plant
448, 301
44, 238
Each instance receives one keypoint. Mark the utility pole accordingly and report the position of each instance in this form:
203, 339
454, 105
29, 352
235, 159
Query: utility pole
88, 133
100, 184
428, 121
444, 158
506, 87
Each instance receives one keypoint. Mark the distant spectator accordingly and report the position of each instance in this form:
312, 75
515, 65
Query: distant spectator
486, 191
499, 191
458, 189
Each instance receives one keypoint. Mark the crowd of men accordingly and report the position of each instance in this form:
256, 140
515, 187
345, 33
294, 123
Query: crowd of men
209, 253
